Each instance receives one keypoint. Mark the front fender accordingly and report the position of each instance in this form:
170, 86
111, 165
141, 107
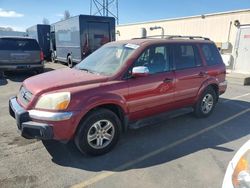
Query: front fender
106, 98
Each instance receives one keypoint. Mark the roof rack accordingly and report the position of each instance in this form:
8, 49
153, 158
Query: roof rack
187, 37
173, 37
152, 36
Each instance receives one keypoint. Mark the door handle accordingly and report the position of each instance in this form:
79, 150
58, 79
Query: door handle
168, 80
202, 73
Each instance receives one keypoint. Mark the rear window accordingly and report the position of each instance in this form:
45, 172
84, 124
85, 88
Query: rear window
186, 56
19, 44
211, 54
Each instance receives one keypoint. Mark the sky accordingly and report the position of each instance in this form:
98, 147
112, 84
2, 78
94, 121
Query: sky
21, 14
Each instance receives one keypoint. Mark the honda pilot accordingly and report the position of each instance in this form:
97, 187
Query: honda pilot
119, 84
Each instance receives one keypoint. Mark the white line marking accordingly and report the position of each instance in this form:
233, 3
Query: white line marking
104, 175
237, 97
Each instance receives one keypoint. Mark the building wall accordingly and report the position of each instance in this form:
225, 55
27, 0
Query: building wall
12, 33
214, 26
218, 27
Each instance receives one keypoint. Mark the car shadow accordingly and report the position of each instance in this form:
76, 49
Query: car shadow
20, 76
3, 81
162, 142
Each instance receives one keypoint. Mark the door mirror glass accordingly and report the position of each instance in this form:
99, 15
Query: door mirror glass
140, 71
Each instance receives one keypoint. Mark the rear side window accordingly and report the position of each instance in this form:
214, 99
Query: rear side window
186, 56
19, 44
211, 54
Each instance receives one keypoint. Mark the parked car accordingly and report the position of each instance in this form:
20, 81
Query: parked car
120, 83
238, 170
20, 53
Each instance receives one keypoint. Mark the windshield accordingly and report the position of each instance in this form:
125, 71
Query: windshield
107, 60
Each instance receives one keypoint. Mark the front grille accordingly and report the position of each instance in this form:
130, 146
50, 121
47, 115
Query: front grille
24, 96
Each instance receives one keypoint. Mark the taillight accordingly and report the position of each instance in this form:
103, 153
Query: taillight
41, 56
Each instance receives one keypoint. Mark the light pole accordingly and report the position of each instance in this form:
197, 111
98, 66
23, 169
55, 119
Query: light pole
158, 27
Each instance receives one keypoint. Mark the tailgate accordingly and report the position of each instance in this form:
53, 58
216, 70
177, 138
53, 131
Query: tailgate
19, 57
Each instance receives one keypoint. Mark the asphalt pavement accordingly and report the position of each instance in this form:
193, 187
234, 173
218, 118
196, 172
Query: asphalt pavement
181, 152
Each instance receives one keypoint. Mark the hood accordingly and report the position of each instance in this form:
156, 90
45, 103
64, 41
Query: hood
60, 79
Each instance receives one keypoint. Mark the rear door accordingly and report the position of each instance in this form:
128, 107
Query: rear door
153, 93
189, 72
19, 51
98, 34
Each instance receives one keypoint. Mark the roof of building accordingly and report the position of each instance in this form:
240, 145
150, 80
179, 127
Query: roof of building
189, 17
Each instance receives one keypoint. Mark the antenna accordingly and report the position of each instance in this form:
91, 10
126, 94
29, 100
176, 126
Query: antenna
105, 8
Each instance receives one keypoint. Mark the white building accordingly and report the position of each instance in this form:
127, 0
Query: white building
12, 33
229, 30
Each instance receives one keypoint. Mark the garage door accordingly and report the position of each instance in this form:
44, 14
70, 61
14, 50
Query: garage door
243, 51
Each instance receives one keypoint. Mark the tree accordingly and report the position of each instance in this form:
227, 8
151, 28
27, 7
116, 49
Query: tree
66, 15
45, 21
6, 29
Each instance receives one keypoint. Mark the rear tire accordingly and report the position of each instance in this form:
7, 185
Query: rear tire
206, 103
98, 133
1, 74
70, 62
53, 58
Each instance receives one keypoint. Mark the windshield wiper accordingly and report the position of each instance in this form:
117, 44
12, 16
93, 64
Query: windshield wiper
88, 70
83, 69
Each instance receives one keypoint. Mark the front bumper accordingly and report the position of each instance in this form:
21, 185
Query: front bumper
27, 127
222, 87
34, 124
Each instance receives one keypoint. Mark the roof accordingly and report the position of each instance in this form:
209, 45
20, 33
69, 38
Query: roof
152, 41
82, 15
188, 17
15, 37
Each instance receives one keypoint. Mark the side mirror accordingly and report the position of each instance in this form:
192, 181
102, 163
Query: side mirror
140, 71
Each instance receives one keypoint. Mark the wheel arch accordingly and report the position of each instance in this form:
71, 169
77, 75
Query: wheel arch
209, 83
114, 107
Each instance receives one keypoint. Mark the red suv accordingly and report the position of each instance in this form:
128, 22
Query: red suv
120, 83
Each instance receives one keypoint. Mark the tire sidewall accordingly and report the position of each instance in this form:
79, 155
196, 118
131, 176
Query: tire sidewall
81, 137
198, 107
53, 57
69, 62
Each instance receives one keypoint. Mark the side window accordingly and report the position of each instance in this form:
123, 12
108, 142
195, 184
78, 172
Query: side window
211, 54
143, 59
156, 59
186, 56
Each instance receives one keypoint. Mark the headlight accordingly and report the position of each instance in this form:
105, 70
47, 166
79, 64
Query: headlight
54, 101
241, 174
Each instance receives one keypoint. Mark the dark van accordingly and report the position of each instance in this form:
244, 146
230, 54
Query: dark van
77, 37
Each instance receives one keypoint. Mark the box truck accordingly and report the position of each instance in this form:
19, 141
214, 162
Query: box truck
41, 33
79, 36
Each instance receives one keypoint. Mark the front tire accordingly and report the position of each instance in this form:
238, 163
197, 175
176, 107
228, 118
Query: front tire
98, 133
206, 103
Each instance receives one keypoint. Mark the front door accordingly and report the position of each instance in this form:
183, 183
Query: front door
154, 93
